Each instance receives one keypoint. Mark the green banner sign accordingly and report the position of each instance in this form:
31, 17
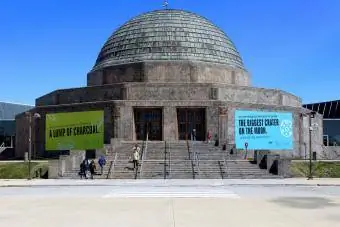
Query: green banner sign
75, 130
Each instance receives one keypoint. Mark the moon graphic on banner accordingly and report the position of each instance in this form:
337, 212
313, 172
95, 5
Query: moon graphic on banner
286, 128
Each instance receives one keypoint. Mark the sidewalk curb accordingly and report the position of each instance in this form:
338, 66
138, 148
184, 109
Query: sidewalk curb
134, 185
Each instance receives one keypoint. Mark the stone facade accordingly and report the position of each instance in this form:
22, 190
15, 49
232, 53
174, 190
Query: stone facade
218, 85
119, 120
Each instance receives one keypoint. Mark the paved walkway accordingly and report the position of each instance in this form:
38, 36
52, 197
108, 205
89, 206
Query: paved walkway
171, 203
176, 206
186, 182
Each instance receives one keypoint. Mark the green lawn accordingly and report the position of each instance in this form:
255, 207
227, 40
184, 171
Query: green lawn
19, 170
319, 169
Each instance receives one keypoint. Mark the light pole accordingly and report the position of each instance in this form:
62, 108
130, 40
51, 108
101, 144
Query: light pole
30, 116
310, 129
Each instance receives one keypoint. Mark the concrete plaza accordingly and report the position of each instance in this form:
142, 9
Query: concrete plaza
180, 204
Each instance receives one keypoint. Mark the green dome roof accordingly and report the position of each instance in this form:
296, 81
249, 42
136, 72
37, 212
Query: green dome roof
168, 35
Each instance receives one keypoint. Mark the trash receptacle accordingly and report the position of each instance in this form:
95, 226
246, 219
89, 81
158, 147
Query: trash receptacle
314, 155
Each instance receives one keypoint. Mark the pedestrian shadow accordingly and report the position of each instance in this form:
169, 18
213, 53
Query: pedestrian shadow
305, 202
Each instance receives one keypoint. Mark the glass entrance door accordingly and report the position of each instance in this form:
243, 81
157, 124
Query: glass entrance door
189, 119
148, 120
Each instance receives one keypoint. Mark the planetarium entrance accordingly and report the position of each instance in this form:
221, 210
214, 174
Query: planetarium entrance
189, 119
148, 120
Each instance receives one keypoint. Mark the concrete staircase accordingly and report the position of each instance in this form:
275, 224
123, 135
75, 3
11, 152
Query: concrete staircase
180, 161
155, 161
173, 160
243, 169
210, 160
215, 163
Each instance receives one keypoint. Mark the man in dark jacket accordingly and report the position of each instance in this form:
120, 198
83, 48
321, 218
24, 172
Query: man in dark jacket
92, 168
82, 172
102, 163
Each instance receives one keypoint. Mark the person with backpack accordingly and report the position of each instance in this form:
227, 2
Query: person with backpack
102, 163
82, 171
92, 168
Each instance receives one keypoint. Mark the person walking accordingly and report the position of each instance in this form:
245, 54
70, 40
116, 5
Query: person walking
209, 137
102, 163
193, 135
92, 168
136, 156
82, 171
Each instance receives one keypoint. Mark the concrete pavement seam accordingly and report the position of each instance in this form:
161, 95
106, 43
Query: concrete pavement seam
114, 185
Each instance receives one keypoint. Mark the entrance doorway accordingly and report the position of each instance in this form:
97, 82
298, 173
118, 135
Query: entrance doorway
148, 120
189, 119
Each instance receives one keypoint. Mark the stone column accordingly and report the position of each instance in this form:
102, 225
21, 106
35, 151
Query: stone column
212, 120
170, 123
126, 124
231, 126
116, 122
298, 124
108, 124
223, 124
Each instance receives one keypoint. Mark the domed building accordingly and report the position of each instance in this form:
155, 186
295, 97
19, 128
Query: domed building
167, 72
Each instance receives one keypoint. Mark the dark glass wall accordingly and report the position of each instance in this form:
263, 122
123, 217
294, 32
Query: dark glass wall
7, 133
331, 128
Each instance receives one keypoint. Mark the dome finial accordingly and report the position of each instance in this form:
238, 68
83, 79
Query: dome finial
165, 4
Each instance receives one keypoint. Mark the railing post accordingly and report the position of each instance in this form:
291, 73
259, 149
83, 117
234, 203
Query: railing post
143, 157
169, 150
165, 160
112, 166
226, 163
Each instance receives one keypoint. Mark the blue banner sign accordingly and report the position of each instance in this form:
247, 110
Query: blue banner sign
257, 130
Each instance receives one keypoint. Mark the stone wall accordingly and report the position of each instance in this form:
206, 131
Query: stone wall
119, 121
170, 91
213, 119
194, 72
257, 96
21, 135
81, 95
169, 71
147, 91
95, 78
170, 129
330, 153
316, 134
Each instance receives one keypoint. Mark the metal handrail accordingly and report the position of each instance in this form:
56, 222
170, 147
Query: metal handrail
114, 163
112, 167
2, 147
108, 173
165, 161
195, 155
191, 159
225, 157
143, 155
169, 150
197, 163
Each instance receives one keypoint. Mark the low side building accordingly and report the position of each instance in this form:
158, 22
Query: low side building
330, 111
8, 111
171, 71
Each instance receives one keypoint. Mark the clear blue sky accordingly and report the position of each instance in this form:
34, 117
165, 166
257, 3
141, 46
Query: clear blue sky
293, 45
